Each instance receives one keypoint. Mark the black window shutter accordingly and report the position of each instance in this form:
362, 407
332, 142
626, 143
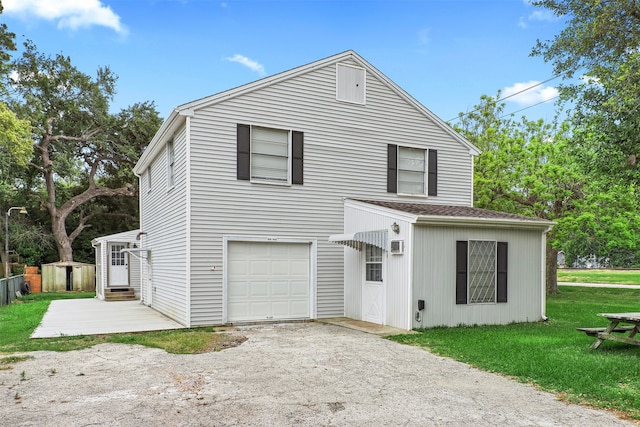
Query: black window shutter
392, 168
244, 152
461, 272
502, 271
433, 173
297, 161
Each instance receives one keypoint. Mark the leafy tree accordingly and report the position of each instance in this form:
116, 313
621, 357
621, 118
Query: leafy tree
599, 45
79, 147
525, 168
606, 224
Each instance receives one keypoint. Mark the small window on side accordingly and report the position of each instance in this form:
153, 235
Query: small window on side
170, 164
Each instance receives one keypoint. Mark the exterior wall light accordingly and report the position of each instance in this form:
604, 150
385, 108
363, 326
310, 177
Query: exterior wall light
395, 227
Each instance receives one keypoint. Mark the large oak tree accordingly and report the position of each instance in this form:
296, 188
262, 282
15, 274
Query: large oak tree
78, 146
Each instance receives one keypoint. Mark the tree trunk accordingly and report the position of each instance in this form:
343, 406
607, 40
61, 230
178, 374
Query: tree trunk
63, 243
552, 271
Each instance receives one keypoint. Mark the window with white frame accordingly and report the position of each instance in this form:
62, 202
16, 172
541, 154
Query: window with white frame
411, 170
149, 179
170, 164
269, 154
373, 263
482, 271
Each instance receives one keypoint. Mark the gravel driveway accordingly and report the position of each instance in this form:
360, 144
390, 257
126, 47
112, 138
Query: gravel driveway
307, 374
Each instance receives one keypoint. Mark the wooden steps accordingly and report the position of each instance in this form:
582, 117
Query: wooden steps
119, 294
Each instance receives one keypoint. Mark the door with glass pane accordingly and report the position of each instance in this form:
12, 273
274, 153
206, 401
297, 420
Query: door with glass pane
118, 265
373, 290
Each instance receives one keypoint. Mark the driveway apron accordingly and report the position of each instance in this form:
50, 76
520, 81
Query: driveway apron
302, 374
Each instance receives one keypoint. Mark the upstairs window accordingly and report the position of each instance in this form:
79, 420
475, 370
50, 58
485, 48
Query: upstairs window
149, 179
170, 164
412, 171
269, 155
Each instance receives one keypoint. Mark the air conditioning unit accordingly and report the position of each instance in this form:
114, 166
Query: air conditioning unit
397, 247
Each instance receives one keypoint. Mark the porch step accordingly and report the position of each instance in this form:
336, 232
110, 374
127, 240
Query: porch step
119, 294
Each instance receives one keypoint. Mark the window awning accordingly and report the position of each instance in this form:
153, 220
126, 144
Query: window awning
376, 238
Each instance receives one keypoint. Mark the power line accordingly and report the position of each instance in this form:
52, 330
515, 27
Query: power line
512, 95
530, 106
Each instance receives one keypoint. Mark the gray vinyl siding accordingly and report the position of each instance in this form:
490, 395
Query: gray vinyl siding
164, 220
434, 277
345, 155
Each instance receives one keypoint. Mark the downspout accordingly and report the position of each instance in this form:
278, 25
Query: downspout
142, 267
543, 275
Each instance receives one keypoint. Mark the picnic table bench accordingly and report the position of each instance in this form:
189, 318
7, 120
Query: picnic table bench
614, 332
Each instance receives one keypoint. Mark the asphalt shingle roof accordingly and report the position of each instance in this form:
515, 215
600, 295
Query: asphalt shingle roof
425, 209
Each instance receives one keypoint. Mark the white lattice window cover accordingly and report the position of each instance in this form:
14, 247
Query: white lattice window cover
482, 271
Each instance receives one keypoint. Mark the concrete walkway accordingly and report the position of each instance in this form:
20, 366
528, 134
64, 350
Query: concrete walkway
95, 317
599, 285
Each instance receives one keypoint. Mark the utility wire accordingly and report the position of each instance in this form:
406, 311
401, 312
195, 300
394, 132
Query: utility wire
530, 106
458, 117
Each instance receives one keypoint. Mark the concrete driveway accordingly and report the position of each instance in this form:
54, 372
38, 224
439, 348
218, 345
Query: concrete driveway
302, 374
91, 316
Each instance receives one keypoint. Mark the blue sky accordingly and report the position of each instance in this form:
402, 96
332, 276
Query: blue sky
445, 53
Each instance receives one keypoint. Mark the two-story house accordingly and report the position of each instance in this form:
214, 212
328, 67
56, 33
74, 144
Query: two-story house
326, 191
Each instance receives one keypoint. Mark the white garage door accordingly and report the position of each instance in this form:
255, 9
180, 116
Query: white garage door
267, 281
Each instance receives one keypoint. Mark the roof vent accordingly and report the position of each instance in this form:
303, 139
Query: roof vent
350, 84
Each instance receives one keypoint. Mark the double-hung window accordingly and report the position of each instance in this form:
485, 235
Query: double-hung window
269, 155
481, 272
170, 164
412, 171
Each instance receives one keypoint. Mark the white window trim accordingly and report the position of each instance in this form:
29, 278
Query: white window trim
313, 266
149, 179
495, 273
289, 159
171, 162
367, 263
425, 177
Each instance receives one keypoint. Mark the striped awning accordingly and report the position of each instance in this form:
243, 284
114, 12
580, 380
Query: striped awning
376, 238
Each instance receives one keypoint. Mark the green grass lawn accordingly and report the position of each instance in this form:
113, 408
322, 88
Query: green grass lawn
19, 319
623, 277
552, 354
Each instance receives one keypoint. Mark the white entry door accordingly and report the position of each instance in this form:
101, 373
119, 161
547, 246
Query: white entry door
268, 281
118, 265
373, 290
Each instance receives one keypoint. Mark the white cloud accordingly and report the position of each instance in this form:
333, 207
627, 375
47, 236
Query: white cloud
423, 36
249, 63
527, 94
73, 14
542, 15
522, 23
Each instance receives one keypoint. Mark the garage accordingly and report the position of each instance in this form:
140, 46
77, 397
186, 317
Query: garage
268, 281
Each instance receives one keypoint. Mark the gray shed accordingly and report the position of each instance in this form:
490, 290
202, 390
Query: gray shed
68, 276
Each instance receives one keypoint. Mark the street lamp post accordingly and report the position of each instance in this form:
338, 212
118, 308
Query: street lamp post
23, 210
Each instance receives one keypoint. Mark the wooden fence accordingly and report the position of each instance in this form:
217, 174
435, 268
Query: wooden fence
9, 287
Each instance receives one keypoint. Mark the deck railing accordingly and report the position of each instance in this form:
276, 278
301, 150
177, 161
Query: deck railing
9, 287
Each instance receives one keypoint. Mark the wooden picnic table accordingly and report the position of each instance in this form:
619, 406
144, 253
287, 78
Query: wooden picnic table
613, 332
